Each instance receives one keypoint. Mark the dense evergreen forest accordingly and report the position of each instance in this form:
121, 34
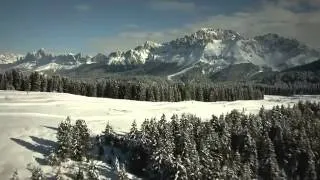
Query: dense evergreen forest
281, 143
152, 88
290, 83
288, 77
134, 89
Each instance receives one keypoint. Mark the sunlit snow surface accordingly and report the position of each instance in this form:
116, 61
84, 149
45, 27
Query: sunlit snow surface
28, 120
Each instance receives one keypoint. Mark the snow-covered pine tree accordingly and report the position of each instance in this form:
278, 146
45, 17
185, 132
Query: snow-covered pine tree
53, 159
99, 147
133, 130
162, 163
208, 154
64, 139
190, 157
108, 134
79, 174
181, 170
156, 93
80, 140
171, 94
17, 79
35, 81
162, 125
268, 165
26, 84
311, 170
93, 172
122, 174
44, 83
58, 175
37, 174
100, 89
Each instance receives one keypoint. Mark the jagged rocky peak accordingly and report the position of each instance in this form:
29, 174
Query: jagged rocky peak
41, 53
151, 44
148, 45
116, 54
77, 56
217, 34
8, 58
207, 35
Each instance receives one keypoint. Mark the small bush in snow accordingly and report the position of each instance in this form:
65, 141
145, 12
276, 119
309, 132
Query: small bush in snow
37, 174
58, 175
15, 175
53, 159
79, 175
93, 172
122, 174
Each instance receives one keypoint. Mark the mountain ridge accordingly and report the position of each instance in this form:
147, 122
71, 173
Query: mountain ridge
214, 49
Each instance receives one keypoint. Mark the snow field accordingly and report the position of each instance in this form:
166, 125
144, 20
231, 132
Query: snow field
28, 121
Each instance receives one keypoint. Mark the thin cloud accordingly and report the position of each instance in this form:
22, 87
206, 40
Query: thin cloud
303, 26
82, 7
269, 18
296, 4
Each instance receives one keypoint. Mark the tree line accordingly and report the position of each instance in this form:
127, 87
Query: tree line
129, 89
290, 83
282, 143
289, 89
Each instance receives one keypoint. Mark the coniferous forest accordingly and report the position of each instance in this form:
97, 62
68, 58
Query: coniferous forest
157, 89
281, 143
142, 90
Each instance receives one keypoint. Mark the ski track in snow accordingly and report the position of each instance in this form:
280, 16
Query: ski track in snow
29, 120
180, 72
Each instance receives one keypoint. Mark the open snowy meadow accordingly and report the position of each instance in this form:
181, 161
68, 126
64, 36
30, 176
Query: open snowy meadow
29, 120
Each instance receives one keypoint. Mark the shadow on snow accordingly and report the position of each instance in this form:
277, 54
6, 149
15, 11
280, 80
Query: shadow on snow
39, 145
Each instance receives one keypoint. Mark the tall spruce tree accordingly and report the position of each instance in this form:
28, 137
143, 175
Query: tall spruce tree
80, 140
64, 139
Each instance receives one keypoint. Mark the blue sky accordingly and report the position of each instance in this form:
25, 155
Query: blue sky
92, 26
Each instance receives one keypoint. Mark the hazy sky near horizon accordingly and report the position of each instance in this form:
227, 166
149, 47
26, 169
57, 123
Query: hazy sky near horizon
92, 26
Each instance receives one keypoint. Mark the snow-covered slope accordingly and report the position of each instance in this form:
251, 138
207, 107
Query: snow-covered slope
54, 67
28, 121
8, 58
221, 48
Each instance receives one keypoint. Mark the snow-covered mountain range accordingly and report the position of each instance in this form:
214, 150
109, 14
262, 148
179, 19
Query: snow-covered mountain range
215, 48
8, 58
42, 61
221, 48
